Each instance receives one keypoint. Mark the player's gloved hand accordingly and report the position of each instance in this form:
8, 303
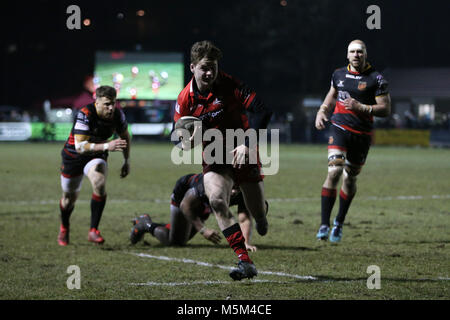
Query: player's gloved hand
250, 247
240, 156
116, 145
125, 170
211, 235
321, 119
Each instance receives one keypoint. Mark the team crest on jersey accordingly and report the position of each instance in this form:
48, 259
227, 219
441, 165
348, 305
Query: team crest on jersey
362, 85
330, 140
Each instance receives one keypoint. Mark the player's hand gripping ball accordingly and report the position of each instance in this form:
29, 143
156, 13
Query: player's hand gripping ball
187, 128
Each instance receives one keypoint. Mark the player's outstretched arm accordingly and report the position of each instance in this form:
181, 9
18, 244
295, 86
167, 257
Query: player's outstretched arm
82, 145
325, 109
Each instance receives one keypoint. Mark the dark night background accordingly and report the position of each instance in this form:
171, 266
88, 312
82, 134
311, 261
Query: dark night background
283, 52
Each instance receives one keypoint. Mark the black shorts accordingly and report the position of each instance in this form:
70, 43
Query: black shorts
73, 165
355, 145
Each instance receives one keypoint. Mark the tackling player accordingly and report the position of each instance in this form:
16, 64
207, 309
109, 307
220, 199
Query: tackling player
358, 92
85, 153
189, 209
222, 102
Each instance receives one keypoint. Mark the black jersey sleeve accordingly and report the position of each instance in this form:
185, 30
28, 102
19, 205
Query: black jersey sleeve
121, 121
382, 85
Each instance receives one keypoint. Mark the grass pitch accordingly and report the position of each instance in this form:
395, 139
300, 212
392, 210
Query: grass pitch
399, 221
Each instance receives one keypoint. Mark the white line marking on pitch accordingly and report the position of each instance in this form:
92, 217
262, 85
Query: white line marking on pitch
370, 198
193, 283
206, 264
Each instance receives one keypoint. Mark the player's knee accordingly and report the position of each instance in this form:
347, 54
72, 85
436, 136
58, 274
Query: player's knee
335, 173
352, 172
350, 176
218, 205
68, 199
336, 164
177, 241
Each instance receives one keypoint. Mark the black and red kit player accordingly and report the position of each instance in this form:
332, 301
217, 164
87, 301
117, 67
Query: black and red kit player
222, 102
358, 93
85, 153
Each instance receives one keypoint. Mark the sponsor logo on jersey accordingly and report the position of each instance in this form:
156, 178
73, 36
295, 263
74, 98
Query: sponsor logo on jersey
351, 76
81, 126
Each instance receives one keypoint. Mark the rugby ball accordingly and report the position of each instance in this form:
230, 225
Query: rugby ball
186, 122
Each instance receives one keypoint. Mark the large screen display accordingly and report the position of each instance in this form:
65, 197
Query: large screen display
137, 75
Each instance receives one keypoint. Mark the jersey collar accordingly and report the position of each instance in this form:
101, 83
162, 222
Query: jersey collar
367, 67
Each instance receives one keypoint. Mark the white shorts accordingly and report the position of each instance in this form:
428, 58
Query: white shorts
71, 185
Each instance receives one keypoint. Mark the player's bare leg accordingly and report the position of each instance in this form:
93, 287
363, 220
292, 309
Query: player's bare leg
177, 233
97, 176
246, 226
254, 201
336, 161
218, 190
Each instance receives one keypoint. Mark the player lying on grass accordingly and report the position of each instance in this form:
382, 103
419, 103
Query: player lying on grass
189, 210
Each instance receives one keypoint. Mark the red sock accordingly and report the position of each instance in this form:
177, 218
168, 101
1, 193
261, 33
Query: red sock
236, 241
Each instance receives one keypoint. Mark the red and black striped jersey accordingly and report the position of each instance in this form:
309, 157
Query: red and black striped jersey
88, 123
227, 105
363, 87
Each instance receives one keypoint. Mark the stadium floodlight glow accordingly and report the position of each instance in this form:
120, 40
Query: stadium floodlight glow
87, 22
140, 13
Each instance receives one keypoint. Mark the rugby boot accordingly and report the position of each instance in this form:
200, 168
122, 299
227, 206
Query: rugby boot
95, 236
141, 225
336, 232
244, 270
322, 234
262, 225
63, 236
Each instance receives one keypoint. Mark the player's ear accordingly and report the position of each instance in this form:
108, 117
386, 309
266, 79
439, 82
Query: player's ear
192, 66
